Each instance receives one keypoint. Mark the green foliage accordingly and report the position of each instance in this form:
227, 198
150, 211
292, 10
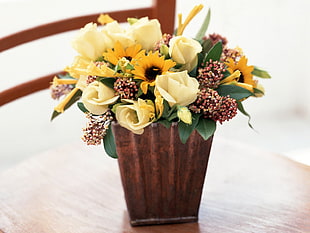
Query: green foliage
101, 58
257, 91
260, 73
169, 113
215, 52
82, 107
65, 76
204, 27
74, 98
206, 46
186, 130
242, 110
206, 127
194, 72
234, 91
108, 81
109, 143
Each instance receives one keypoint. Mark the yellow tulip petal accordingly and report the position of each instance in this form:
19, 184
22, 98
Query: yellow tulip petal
59, 81
104, 19
235, 75
144, 85
189, 18
61, 106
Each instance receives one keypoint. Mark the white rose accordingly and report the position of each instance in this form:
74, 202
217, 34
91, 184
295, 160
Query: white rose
177, 88
90, 42
136, 115
146, 32
184, 50
114, 32
97, 97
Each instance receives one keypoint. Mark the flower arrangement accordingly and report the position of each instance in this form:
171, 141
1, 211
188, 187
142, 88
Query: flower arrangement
138, 75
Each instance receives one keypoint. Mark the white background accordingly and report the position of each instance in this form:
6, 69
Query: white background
273, 34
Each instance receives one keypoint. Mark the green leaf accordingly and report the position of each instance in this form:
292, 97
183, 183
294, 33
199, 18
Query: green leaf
166, 109
74, 98
82, 107
108, 81
109, 143
186, 130
193, 72
55, 114
132, 21
172, 116
206, 46
65, 76
101, 58
206, 127
260, 73
257, 91
234, 91
204, 27
129, 67
140, 92
242, 110
215, 52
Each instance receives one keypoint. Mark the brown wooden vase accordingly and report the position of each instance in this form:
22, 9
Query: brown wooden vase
162, 178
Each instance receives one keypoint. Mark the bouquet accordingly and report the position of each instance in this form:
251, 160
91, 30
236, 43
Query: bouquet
138, 75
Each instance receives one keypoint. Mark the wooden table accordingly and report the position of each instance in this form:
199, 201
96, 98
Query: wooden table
77, 189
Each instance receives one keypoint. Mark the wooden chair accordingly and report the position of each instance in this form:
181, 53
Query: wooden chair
163, 10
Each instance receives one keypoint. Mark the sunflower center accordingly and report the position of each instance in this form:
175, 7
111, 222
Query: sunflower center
152, 72
241, 78
129, 58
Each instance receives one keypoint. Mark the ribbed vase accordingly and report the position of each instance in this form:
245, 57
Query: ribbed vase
162, 177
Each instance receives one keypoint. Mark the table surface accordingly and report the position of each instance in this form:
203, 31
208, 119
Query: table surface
77, 189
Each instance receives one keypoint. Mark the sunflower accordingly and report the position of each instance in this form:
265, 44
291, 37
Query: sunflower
148, 67
130, 53
244, 78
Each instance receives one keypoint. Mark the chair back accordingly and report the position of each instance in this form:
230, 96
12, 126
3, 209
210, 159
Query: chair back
163, 10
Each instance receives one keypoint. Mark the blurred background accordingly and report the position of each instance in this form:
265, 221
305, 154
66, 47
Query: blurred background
273, 34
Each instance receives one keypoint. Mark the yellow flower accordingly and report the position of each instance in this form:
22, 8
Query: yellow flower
177, 88
61, 106
145, 32
192, 14
78, 67
184, 115
184, 50
90, 42
136, 115
245, 79
114, 32
97, 97
159, 103
60, 81
148, 67
104, 19
131, 53
86, 67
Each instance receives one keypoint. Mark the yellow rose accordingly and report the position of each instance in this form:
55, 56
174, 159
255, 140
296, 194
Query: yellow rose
136, 115
184, 50
146, 32
114, 32
90, 42
97, 97
177, 88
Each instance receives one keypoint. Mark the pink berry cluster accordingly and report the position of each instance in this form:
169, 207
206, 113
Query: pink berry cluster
213, 106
